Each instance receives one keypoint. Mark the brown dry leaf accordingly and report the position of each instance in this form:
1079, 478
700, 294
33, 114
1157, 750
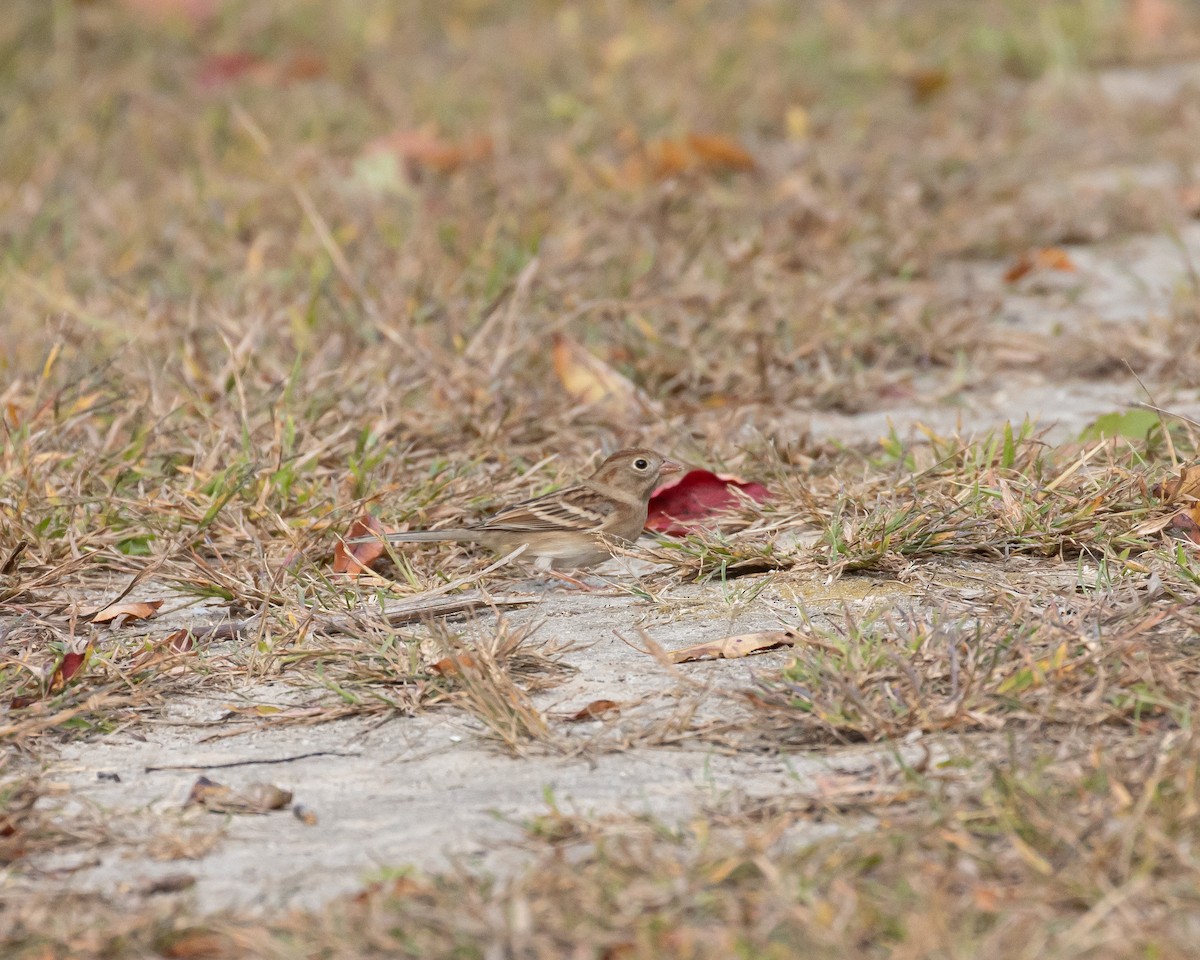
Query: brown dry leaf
254, 798
168, 648
1184, 487
719, 153
667, 158
1185, 525
424, 149
453, 666
1153, 20
731, 648
1047, 258
592, 382
593, 710
129, 610
925, 83
356, 558
12, 562
193, 12
196, 943
1189, 199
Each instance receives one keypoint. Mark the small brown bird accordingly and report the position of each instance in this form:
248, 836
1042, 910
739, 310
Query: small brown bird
570, 528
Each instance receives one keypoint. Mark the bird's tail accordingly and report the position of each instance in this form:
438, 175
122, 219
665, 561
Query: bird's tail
417, 536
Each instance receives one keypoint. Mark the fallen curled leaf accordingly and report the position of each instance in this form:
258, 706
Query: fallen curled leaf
12, 562
925, 83
731, 648
667, 158
708, 152
356, 558
1047, 258
593, 710
254, 798
64, 670
195, 943
453, 666
222, 69
193, 12
1189, 199
168, 648
68, 666
719, 153
1185, 524
1152, 21
590, 381
129, 610
1184, 487
424, 149
697, 496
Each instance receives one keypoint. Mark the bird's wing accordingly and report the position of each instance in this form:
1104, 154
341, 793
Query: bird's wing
572, 508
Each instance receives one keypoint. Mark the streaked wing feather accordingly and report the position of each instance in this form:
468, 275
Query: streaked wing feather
572, 508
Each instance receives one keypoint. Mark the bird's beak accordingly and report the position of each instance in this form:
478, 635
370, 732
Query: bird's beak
669, 467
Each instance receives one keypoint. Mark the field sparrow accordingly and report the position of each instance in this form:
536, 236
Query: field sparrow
573, 527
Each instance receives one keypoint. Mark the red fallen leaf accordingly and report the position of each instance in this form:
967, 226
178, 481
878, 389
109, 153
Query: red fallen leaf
681, 506
303, 66
67, 667
593, 710
222, 69
193, 12
130, 610
355, 558
219, 69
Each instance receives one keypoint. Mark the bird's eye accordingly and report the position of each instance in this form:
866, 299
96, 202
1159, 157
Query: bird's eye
640, 464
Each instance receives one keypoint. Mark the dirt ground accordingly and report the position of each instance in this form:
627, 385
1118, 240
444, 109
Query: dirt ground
431, 791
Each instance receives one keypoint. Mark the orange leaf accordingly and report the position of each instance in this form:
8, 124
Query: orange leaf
592, 382
731, 648
1047, 258
667, 158
356, 558
720, 153
423, 148
130, 610
453, 666
593, 710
